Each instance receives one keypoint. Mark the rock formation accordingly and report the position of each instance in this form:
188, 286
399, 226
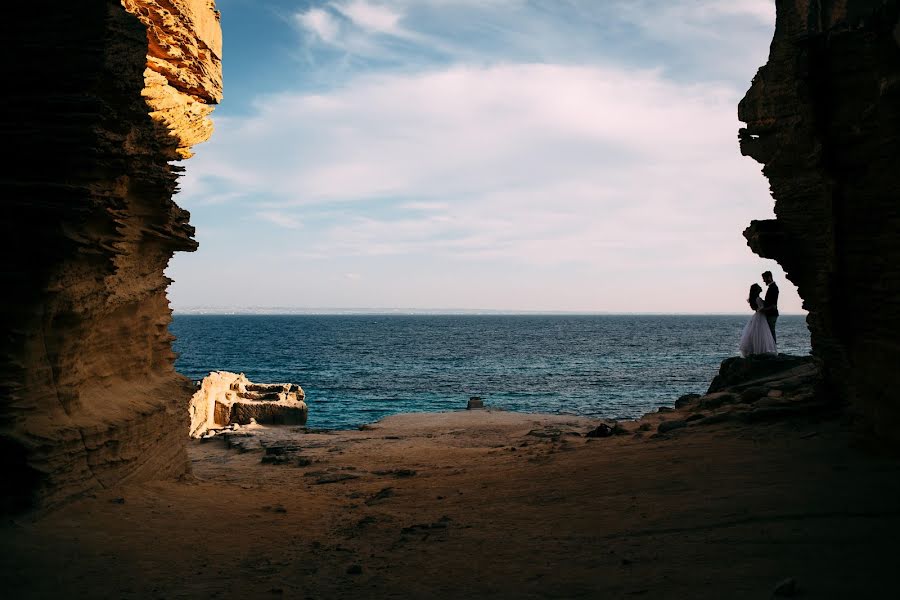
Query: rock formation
225, 398
102, 96
823, 117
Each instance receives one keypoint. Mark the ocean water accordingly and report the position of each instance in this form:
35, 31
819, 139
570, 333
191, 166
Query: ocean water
356, 369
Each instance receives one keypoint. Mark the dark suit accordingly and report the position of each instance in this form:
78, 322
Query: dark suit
770, 307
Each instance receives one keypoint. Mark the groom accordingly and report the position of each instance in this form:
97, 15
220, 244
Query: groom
770, 304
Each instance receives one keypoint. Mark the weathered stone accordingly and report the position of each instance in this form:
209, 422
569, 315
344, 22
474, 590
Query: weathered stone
752, 394
229, 398
667, 426
89, 393
685, 400
722, 417
602, 430
715, 400
823, 117
735, 372
269, 413
221, 413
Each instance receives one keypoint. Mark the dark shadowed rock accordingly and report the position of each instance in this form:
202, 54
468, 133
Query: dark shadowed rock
601, 431
736, 371
89, 395
715, 400
786, 588
667, 426
685, 400
752, 394
823, 117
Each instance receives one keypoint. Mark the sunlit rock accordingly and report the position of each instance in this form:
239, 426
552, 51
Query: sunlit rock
225, 398
103, 96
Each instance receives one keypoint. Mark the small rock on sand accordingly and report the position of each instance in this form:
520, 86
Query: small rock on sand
602, 430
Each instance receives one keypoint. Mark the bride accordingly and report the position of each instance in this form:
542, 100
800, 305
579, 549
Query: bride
757, 337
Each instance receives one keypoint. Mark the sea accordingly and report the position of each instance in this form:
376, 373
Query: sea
357, 369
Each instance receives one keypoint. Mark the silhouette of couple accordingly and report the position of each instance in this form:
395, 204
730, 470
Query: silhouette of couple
758, 336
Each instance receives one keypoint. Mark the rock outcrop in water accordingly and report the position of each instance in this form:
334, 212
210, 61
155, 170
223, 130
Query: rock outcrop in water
229, 398
101, 96
823, 117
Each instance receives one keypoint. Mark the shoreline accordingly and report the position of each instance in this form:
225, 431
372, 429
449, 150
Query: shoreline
483, 504
761, 489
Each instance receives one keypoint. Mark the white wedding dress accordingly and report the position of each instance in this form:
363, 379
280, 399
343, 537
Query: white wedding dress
757, 337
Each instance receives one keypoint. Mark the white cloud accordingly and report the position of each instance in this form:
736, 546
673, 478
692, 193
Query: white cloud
373, 17
281, 219
319, 22
462, 144
540, 164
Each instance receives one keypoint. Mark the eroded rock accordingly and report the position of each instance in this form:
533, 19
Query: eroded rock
230, 398
823, 117
96, 110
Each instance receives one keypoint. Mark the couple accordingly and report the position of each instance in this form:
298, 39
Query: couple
759, 334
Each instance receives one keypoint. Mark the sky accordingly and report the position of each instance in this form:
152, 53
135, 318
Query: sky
512, 155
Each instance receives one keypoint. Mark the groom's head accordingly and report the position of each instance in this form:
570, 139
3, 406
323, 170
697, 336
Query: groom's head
767, 277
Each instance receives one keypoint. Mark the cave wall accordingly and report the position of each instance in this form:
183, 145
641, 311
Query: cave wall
103, 95
823, 117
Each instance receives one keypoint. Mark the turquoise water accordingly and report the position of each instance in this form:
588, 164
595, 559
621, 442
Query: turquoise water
357, 369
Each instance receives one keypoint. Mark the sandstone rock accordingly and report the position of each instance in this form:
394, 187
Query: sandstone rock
231, 399
602, 430
686, 399
823, 117
716, 399
752, 394
735, 372
285, 412
667, 426
89, 393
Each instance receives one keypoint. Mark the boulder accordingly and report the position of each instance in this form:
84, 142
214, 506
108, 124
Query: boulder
736, 371
225, 398
686, 399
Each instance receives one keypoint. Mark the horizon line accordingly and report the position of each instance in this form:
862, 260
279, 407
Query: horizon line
287, 311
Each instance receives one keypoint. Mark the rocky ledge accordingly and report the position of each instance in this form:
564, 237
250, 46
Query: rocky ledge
758, 389
746, 390
225, 399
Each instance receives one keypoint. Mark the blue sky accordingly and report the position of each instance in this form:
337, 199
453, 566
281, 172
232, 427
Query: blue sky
564, 155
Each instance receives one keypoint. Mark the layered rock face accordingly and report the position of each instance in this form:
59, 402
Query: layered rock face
823, 117
102, 96
228, 398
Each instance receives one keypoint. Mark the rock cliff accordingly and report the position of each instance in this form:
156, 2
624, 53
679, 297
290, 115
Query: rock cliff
823, 117
105, 95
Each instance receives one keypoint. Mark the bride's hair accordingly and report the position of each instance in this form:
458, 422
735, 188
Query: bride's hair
755, 291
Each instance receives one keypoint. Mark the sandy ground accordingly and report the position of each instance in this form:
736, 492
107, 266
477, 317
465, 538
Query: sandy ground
484, 505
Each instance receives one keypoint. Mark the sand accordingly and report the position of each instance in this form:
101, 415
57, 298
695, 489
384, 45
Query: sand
480, 504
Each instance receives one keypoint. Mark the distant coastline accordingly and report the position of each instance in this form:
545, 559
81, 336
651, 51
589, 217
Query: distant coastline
287, 311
